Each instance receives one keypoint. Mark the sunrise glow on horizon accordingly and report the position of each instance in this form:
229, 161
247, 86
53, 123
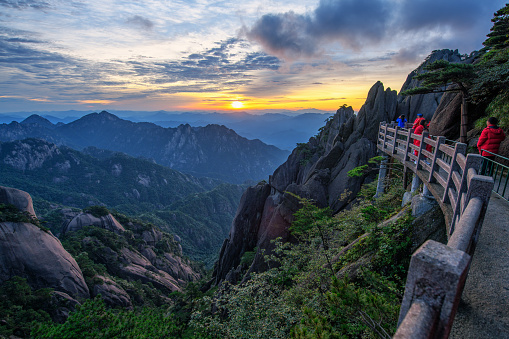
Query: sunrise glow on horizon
203, 56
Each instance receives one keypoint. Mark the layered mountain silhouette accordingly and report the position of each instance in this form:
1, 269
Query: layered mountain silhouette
211, 151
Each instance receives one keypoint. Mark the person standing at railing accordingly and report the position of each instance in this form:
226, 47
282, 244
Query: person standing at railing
417, 120
423, 126
490, 140
401, 121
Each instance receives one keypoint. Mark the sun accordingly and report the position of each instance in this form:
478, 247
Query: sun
237, 104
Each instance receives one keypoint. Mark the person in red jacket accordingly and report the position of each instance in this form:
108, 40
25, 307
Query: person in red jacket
490, 140
417, 120
418, 130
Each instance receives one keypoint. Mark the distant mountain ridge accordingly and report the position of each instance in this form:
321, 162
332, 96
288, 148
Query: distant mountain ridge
211, 151
281, 128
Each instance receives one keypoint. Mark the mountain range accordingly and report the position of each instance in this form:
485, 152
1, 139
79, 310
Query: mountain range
281, 129
211, 151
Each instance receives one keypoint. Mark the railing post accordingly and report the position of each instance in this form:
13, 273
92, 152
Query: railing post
473, 161
436, 276
395, 141
440, 140
458, 149
380, 186
479, 186
407, 146
385, 135
421, 147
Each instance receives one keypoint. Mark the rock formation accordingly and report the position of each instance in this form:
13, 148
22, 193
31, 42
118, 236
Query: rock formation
32, 253
112, 294
425, 104
316, 170
165, 270
107, 222
20, 199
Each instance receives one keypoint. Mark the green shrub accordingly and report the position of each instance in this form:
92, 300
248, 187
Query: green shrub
21, 307
97, 211
94, 320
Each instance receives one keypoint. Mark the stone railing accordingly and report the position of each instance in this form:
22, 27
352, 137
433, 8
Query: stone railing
437, 272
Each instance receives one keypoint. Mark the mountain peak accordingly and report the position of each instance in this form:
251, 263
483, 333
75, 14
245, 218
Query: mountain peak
102, 116
36, 119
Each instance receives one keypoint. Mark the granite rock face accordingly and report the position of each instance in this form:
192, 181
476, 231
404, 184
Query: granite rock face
29, 252
316, 170
81, 220
112, 294
447, 117
167, 271
21, 199
426, 104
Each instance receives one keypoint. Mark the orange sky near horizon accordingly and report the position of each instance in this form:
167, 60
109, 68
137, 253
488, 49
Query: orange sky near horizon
326, 98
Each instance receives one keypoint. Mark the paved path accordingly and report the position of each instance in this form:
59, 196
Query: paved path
484, 308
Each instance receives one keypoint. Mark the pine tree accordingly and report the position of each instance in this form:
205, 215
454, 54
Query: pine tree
443, 76
493, 68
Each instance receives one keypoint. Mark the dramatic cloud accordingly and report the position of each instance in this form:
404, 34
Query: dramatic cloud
356, 24
213, 70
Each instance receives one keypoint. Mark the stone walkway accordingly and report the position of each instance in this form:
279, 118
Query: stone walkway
484, 308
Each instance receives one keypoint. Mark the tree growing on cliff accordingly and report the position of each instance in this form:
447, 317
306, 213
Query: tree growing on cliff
443, 76
493, 70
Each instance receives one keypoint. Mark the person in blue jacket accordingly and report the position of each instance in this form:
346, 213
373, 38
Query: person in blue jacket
401, 121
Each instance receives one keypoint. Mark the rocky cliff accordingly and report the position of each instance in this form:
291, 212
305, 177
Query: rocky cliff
35, 254
318, 171
114, 255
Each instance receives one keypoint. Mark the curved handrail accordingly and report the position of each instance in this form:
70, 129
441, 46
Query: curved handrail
437, 272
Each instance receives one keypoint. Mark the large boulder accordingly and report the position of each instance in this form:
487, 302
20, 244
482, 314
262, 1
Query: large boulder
29, 252
81, 220
21, 199
112, 294
447, 117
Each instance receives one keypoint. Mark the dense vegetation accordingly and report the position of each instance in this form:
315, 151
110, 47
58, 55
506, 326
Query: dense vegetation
21, 308
314, 288
65, 176
491, 85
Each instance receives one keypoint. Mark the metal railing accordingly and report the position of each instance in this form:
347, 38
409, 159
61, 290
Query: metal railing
499, 173
437, 272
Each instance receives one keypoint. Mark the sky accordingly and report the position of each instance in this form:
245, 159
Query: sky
250, 55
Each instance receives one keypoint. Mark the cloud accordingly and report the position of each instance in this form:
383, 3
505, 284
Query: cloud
65, 78
351, 22
357, 24
23, 4
140, 22
431, 14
